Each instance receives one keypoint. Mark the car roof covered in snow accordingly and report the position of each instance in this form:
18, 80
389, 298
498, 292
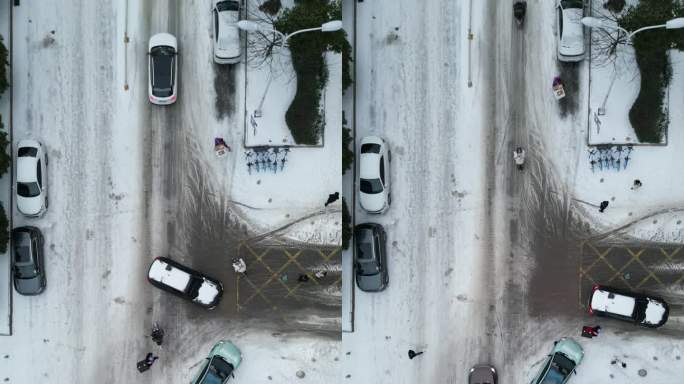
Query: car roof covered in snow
169, 275
612, 302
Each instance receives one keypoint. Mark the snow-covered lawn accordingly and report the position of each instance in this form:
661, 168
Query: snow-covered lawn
296, 194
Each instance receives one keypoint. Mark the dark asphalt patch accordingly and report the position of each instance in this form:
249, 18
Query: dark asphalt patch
215, 236
272, 282
644, 267
555, 236
569, 74
224, 86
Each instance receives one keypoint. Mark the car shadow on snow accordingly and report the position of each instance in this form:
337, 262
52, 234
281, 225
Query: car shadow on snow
569, 74
224, 86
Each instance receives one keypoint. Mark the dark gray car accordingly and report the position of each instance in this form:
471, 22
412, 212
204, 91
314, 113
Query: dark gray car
371, 258
28, 266
482, 374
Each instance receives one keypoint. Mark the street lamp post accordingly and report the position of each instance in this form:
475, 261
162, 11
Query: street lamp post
594, 22
251, 26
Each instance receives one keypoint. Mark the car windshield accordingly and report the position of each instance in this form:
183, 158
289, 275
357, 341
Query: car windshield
640, 309
28, 189
228, 6
22, 254
194, 286
24, 271
565, 4
217, 371
370, 148
371, 186
162, 70
560, 367
27, 152
368, 268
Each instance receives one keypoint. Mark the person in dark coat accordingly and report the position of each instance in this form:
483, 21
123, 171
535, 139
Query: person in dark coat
157, 335
333, 197
603, 206
150, 359
146, 363
590, 332
412, 354
303, 278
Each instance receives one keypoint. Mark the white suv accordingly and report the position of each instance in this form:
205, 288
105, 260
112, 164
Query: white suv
182, 281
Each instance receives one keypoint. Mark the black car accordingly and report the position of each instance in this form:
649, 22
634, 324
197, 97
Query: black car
371, 258
163, 69
187, 283
28, 267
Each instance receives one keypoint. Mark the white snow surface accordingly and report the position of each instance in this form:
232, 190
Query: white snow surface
652, 212
6, 189
285, 200
269, 358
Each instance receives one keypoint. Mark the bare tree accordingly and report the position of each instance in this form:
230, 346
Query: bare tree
261, 45
606, 43
264, 47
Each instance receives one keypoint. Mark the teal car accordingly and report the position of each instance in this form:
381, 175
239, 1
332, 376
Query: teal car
223, 359
565, 356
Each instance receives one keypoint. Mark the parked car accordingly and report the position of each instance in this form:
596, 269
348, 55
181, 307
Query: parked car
371, 257
565, 356
223, 359
28, 266
570, 31
31, 190
645, 310
482, 374
227, 48
163, 69
182, 281
374, 175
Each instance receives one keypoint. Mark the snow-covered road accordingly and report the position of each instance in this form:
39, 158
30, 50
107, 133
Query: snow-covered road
128, 181
483, 259
412, 89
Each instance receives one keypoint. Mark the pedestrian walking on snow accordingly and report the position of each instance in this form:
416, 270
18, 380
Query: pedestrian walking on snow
333, 197
590, 332
412, 353
150, 359
157, 334
637, 184
519, 157
239, 266
603, 206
